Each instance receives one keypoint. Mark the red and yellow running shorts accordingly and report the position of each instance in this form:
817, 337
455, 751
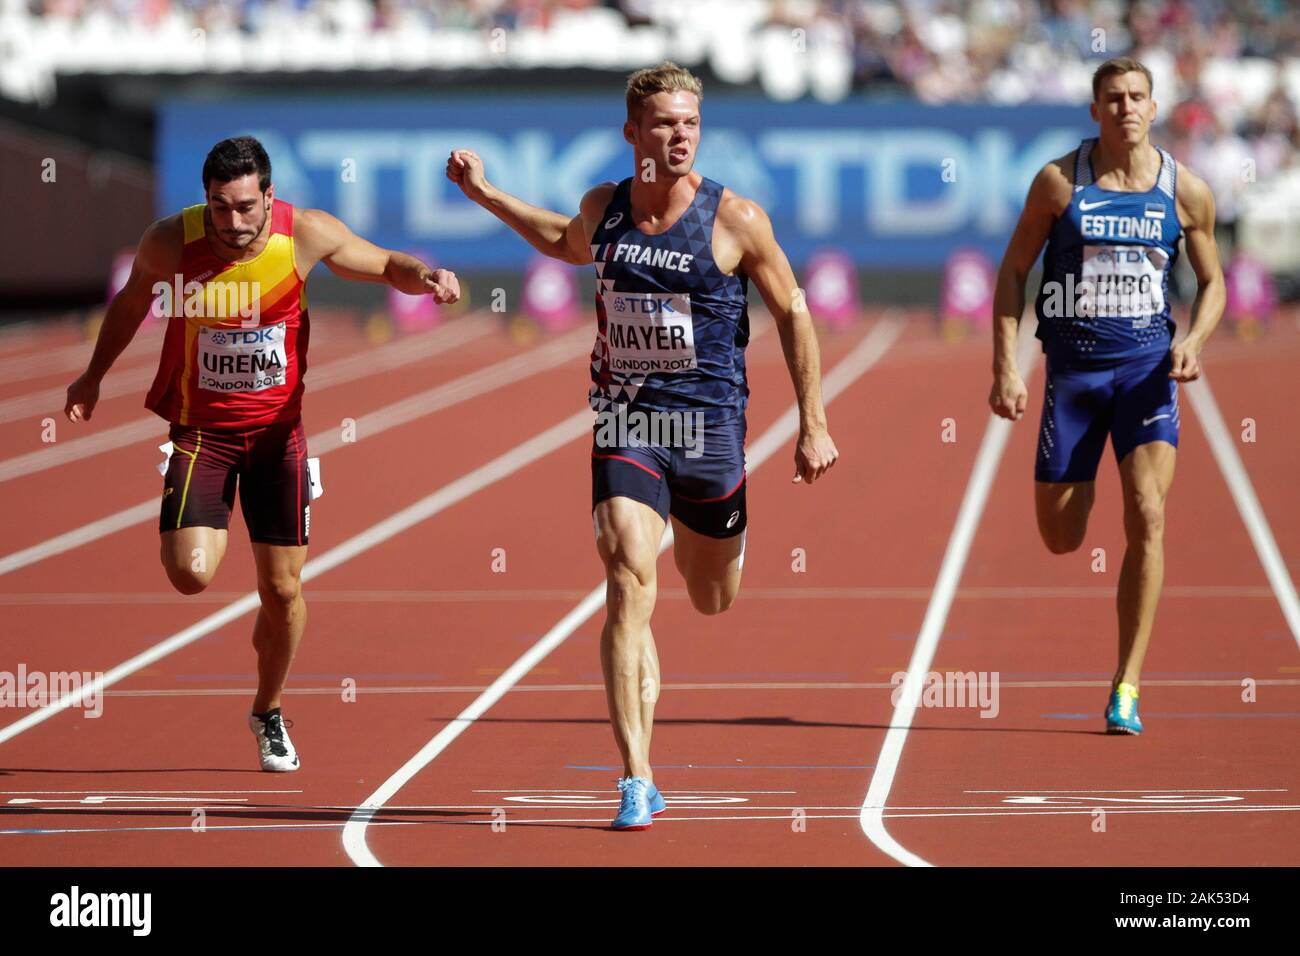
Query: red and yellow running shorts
267, 463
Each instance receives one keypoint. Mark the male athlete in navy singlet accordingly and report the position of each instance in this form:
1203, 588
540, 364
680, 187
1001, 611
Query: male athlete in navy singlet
673, 252
1111, 213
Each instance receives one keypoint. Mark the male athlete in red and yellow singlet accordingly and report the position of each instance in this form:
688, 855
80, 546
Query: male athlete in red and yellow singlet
230, 274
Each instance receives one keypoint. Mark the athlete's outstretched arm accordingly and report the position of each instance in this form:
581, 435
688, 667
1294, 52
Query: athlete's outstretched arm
321, 237
550, 233
157, 259
765, 262
1196, 211
1048, 195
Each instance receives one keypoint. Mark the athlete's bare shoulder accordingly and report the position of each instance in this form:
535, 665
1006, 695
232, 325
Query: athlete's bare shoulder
159, 252
1195, 200
741, 215
596, 199
311, 225
1054, 185
743, 225
593, 205
742, 233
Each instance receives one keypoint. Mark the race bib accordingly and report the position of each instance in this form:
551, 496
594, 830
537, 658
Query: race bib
649, 332
1123, 282
241, 360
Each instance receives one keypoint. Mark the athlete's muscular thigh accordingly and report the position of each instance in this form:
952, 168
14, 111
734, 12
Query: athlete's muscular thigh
711, 567
190, 556
1146, 474
628, 533
1062, 508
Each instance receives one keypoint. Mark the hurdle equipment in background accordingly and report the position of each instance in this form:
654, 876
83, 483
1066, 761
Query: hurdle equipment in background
118, 272
966, 294
550, 294
832, 289
1252, 298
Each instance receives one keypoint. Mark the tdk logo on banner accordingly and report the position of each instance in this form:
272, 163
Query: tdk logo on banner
897, 183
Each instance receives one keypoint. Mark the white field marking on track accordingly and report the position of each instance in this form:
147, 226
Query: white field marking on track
482, 477
116, 800
992, 446
1243, 494
36, 831
329, 691
402, 351
473, 596
129, 792
606, 790
1082, 811
50, 401
471, 385
336, 372
850, 368
61, 358
1150, 790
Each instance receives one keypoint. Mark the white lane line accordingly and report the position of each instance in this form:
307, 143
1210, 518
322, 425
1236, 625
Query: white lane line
1243, 493
852, 367
665, 819
1088, 811
143, 791
50, 400
563, 790
501, 374
336, 372
60, 358
479, 595
99, 528
1149, 790
482, 477
987, 458
363, 688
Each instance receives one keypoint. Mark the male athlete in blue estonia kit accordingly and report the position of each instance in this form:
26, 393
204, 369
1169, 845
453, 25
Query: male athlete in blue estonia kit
1112, 213
673, 252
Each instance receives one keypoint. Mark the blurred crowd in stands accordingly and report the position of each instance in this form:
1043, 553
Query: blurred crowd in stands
1227, 74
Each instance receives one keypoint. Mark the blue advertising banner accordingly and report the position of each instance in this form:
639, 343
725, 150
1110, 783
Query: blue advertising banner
892, 184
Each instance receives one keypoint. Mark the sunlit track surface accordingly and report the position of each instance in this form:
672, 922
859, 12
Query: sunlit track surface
772, 715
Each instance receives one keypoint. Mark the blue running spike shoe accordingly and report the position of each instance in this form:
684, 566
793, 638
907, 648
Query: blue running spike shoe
634, 810
1122, 714
657, 802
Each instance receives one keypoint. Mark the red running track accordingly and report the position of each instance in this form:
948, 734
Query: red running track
773, 715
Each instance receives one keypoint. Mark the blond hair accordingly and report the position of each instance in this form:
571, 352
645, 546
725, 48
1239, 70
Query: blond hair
667, 77
1118, 67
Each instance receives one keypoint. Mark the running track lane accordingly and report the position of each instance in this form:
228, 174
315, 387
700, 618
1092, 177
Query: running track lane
51, 501
1025, 787
485, 426
307, 818
446, 445
776, 751
372, 641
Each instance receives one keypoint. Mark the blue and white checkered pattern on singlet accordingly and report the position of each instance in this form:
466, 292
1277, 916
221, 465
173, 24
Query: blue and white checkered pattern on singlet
671, 327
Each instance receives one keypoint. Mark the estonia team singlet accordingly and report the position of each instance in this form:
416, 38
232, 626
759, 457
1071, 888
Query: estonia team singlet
671, 327
220, 368
1105, 292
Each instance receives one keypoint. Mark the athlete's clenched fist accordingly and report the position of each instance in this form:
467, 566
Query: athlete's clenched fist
443, 285
465, 169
